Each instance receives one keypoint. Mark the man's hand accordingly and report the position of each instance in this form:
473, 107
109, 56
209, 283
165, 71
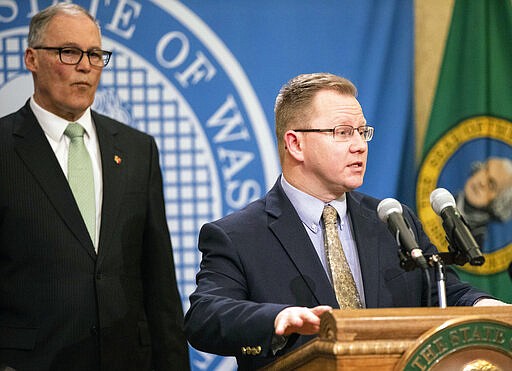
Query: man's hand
300, 320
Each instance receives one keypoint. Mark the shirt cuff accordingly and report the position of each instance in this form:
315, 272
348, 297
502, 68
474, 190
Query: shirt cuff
488, 302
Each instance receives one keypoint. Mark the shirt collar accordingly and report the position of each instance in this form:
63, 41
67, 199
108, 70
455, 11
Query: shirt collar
340, 204
310, 208
54, 126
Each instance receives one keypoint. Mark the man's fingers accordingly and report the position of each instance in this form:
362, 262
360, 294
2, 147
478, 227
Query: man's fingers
301, 320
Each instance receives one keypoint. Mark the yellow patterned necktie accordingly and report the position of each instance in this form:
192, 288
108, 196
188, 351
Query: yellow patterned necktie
342, 279
80, 176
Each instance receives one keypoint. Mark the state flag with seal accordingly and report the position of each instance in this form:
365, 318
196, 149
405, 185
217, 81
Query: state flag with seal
468, 142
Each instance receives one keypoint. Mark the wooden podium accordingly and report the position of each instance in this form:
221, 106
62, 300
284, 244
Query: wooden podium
455, 338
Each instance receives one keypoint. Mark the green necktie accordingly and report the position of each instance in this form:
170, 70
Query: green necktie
80, 176
342, 278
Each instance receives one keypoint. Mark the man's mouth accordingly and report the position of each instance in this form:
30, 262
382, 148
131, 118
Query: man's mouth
81, 83
357, 164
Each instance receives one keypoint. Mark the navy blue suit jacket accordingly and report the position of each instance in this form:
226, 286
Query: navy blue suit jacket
62, 306
260, 260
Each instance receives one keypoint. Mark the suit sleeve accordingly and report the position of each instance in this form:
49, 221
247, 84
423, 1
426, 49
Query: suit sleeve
161, 296
221, 318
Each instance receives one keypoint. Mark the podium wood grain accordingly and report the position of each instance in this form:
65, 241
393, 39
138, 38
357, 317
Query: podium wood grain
375, 339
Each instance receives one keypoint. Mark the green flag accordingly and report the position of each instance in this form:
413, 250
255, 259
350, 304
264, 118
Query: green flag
468, 143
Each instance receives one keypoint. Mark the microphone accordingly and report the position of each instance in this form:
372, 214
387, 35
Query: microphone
457, 232
390, 212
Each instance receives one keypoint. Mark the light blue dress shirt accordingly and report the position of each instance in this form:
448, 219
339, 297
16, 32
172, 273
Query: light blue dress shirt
310, 211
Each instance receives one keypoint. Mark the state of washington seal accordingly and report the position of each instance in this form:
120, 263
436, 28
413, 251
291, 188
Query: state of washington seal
474, 161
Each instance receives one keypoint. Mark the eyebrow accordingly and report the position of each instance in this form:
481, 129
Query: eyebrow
348, 123
75, 45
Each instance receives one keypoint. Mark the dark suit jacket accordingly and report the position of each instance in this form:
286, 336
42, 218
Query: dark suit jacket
62, 307
260, 260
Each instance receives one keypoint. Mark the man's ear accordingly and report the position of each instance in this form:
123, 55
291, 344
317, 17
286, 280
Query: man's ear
293, 144
31, 61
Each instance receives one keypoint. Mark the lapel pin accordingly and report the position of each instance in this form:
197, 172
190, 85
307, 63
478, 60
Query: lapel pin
117, 159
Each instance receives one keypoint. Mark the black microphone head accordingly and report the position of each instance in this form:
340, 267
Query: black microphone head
388, 206
440, 199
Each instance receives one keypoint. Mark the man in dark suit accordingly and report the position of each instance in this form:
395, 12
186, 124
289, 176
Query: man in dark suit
77, 295
265, 277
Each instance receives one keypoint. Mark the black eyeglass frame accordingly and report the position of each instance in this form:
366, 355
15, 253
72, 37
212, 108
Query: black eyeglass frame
351, 130
105, 56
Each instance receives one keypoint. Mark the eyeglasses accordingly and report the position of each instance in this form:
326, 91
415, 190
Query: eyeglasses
71, 55
343, 133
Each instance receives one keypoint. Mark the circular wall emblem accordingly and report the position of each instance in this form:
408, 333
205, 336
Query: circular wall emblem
473, 161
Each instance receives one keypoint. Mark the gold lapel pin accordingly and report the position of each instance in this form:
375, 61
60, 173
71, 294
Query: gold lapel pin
117, 159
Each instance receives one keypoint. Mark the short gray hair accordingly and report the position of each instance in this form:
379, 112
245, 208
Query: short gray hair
40, 21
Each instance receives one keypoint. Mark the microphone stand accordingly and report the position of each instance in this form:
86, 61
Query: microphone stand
455, 255
437, 262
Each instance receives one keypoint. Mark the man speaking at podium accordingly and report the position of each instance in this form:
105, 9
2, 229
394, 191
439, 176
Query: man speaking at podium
311, 244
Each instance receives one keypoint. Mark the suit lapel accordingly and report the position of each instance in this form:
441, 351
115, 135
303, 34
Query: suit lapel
31, 145
288, 228
113, 170
364, 224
